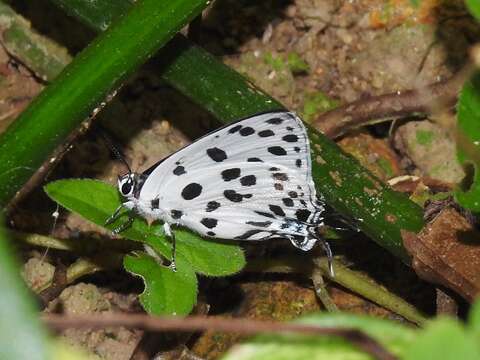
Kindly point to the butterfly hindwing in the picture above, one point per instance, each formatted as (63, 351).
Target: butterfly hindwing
(250, 180)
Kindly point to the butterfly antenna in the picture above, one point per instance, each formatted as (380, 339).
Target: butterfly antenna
(114, 150)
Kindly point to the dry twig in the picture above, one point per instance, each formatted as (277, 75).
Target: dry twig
(443, 94)
(200, 323)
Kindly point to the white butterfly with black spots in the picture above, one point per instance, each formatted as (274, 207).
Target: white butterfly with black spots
(250, 180)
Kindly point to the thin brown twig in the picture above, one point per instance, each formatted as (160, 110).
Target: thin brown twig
(201, 323)
(443, 94)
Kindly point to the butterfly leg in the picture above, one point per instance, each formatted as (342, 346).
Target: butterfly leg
(171, 234)
(123, 226)
(328, 252)
(114, 216)
(313, 234)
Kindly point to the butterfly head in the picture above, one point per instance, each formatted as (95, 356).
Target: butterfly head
(128, 184)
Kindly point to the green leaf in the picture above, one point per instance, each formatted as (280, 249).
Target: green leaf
(474, 320)
(21, 336)
(468, 143)
(96, 201)
(444, 339)
(474, 7)
(166, 291)
(392, 336)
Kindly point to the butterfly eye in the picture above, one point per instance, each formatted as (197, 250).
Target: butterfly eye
(126, 188)
(126, 185)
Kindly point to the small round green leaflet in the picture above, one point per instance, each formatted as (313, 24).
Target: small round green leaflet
(96, 201)
(166, 292)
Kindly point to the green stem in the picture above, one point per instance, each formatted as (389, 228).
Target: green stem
(89, 246)
(87, 266)
(367, 288)
(92, 75)
(352, 280)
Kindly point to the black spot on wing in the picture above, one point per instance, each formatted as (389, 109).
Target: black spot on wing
(176, 214)
(248, 234)
(179, 170)
(233, 196)
(277, 150)
(212, 206)
(288, 202)
(211, 233)
(297, 149)
(277, 210)
(280, 176)
(191, 191)
(274, 121)
(155, 203)
(298, 163)
(235, 129)
(302, 214)
(269, 215)
(209, 222)
(247, 131)
(216, 154)
(278, 186)
(248, 180)
(263, 224)
(266, 133)
(289, 128)
(230, 174)
(273, 169)
(254, 159)
(290, 138)
(292, 194)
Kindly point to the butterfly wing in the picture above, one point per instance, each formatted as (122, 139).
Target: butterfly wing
(250, 180)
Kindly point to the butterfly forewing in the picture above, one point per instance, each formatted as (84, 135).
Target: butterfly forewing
(250, 180)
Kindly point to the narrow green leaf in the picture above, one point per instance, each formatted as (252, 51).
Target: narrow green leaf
(96, 14)
(444, 339)
(166, 292)
(96, 201)
(394, 337)
(474, 320)
(474, 7)
(468, 143)
(21, 336)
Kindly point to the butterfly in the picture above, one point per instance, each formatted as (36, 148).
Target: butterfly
(249, 180)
